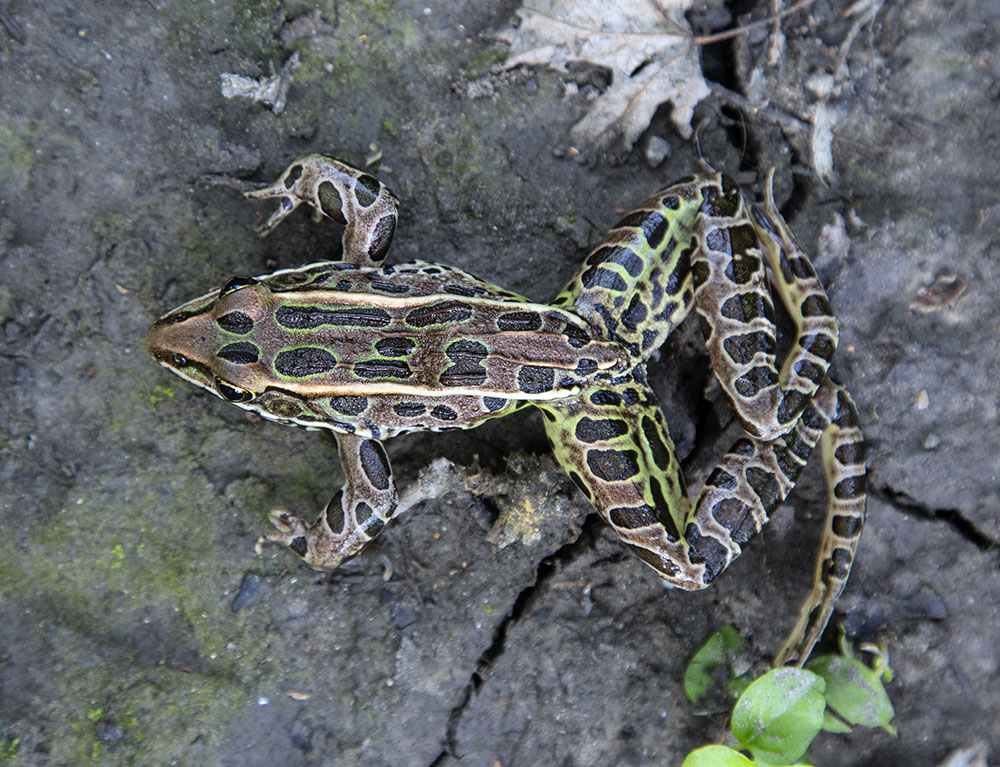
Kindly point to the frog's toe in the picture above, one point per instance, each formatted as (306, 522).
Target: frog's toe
(267, 190)
(287, 523)
(292, 532)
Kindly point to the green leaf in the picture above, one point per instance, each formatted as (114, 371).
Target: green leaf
(737, 685)
(778, 715)
(716, 756)
(832, 723)
(854, 692)
(713, 655)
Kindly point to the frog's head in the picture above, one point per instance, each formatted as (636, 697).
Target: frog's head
(209, 340)
(217, 342)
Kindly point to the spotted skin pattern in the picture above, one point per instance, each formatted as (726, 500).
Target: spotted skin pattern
(370, 351)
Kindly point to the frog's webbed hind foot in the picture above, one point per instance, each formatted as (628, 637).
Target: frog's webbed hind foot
(347, 195)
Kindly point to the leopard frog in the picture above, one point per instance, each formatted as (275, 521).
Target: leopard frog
(369, 351)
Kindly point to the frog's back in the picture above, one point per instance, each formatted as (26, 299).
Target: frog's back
(384, 350)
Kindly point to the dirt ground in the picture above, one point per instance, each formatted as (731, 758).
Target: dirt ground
(137, 626)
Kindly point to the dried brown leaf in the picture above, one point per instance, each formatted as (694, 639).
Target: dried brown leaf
(647, 46)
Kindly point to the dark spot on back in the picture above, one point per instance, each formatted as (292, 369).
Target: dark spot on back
(307, 317)
(382, 368)
(304, 361)
(409, 409)
(235, 322)
(242, 353)
(444, 413)
(439, 314)
(466, 349)
(389, 287)
(395, 346)
(523, 321)
(349, 404)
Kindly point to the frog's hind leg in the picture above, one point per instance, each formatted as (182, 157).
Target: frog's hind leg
(347, 195)
(614, 444)
(844, 462)
(635, 286)
(698, 244)
(737, 315)
(355, 515)
(755, 476)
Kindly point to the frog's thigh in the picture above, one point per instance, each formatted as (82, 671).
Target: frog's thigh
(355, 515)
(615, 446)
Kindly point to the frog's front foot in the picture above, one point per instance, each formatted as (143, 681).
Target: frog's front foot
(347, 195)
(292, 532)
(313, 543)
(287, 198)
(317, 544)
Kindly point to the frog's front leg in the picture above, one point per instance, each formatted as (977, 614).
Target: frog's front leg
(347, 195)
(355, 515)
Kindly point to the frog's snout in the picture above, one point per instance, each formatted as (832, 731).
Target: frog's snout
(177, 340)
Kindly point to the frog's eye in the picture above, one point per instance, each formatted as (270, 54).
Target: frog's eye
(235, 284)
(232, 393)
